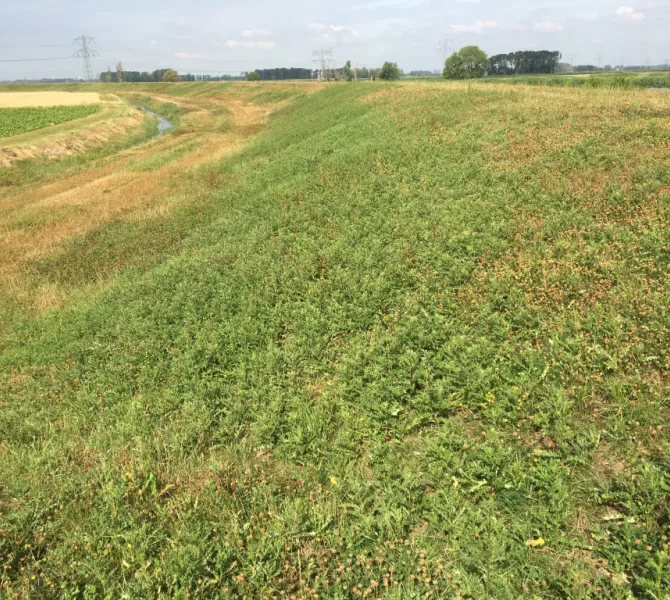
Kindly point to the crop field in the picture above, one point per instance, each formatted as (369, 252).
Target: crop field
(14, 121)
(38, 138)
(341, 341)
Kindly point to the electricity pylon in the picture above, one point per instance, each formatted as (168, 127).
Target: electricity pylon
(443, 47)
(85, 53)
(324, 74)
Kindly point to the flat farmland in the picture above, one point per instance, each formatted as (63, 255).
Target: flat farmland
(47, 99)
(53, 125)
(14, 121)
(343, 341)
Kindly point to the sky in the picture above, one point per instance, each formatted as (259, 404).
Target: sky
(230, 36)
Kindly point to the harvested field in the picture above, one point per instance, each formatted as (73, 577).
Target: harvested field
(30, 99)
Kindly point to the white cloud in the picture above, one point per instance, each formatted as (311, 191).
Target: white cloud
(482, 26)
(259, 45)
(377, 4)
(187, 55)
(402, 4)
(626, 13)
(321, 27)
(255, 34)
(547, 26)
(257, 39)
(332, 33)
(478, 27)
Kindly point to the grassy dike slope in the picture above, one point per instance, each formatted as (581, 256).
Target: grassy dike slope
(415, 345)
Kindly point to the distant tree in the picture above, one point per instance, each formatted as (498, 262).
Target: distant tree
(564, 68)
(107, 76)
(286, 73)
(420, 73)
(347, 71)
(170, 76)
(586, 68)
(524, 62)
(119, 73)
(389, 71)
(608, 68)
(469, 62)
(253, 76)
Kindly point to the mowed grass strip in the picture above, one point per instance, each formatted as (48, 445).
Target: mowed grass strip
(408, 347)
(14, 121)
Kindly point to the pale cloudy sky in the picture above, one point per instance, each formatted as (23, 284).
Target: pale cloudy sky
(235, 35)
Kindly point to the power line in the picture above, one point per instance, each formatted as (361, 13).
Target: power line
(35, 59)
(174, 58)
(33, 47)
(85, 53)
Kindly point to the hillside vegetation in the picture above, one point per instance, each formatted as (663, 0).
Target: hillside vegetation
(397, 341)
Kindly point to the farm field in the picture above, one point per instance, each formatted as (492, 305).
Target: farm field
(340, 341)
(14, 121)
(77, 124)
(16, 99)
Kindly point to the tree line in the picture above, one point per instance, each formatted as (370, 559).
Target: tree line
(347, 73)
(524, 62)
(119, 76)
(280, 74)
(191, 77)
(472, 62)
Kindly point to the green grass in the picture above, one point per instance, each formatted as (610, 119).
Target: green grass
(14, 121)
(404, 344)
(277, 95)
(614, 80)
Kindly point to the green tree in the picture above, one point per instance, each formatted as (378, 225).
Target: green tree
(526, 61)
(389, 71)
(253, 76)
(468, 63)
(107, 77)
(347, 72)
(170, 76)
(119, 73)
